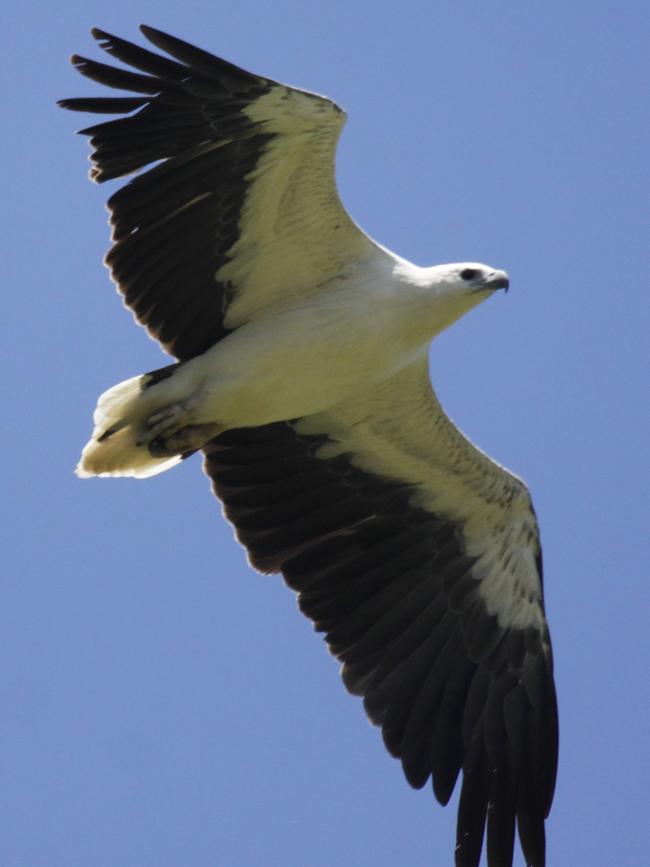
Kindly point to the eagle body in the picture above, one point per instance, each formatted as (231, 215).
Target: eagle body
(301, 376)
(338, 342)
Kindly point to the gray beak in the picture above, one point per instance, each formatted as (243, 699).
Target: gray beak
(497, 280)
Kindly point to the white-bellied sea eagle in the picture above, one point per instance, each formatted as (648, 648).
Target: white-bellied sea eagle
(302, 375)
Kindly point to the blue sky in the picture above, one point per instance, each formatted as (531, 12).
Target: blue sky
(163, 705)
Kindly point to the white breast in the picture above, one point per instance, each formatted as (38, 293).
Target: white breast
(299, 359)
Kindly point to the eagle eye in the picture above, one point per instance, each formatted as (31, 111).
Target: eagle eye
(469, 273)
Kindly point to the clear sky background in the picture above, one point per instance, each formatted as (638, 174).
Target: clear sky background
(161, 704)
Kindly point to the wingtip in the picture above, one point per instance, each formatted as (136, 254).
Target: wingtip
(69, 104)
(150, 32)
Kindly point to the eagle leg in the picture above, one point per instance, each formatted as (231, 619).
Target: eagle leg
(187, 439)
(170, 432)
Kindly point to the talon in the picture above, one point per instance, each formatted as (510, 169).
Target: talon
(186, 440)
(158, 448)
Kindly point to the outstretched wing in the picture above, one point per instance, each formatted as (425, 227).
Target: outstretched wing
(240, 209)
(419, 558)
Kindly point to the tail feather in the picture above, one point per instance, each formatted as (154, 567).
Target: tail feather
(119, 418)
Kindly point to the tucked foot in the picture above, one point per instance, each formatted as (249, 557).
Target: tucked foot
(166, 421)
(183, 441)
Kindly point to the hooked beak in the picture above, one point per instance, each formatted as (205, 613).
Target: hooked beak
(497, 280)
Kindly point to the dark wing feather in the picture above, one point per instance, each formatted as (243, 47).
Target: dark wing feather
(392, 588)
(203, 201)
(173, 225)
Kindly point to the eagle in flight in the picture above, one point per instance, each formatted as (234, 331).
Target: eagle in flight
(301, 374)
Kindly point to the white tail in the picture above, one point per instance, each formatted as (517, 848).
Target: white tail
(119, 419)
